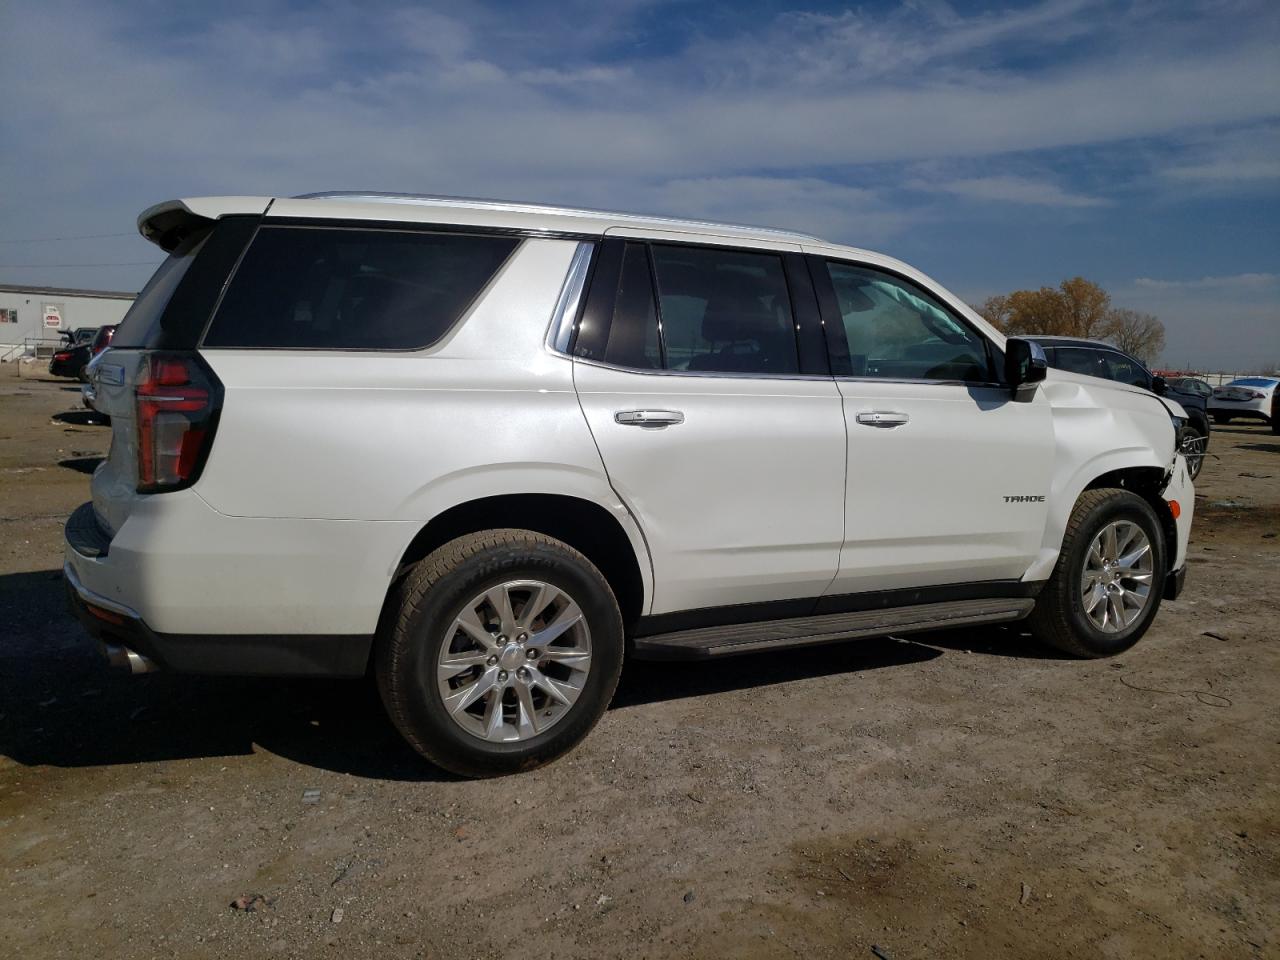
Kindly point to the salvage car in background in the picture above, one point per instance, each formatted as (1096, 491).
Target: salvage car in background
(69, 359)
(84, 344)
(1098, 359)
(1246, 398)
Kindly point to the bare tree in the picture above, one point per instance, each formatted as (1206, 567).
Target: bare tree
(1075, 308)
(1140, 334)
(994, 310)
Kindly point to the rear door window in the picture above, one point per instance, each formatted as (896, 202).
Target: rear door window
(725, 311)
(353, 289)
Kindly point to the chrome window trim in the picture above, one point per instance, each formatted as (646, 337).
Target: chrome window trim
(923, 382)
(711, 374)
(569, 303)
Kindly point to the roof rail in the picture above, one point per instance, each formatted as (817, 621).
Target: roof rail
(508, 206)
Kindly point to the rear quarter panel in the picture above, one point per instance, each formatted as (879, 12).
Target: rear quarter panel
(383, 436)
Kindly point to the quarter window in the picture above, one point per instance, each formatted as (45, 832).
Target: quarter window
(345, 289)
(896, 331)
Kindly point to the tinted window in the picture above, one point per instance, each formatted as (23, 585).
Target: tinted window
(897, 331)
(353, 289)
(633, 334)
(1124, 370)
(141, 324)
(1081, 360)
(724, 310)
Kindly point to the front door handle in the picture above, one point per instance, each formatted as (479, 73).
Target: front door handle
(882, 418)
(648, 418)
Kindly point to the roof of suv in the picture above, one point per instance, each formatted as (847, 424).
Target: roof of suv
(408, 207)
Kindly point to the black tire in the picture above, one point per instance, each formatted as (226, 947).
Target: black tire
(427, 600)
(1059, 619)
(1194, 464)
(1221, 419)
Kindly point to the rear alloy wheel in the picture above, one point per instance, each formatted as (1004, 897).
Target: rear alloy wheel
(514, 661)
(1106, 587)
(506, 650)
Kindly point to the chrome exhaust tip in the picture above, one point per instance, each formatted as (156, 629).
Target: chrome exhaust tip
(122, 658)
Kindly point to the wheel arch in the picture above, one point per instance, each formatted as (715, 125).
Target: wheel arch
(1148, 483)
(1133, 470)
(589, 527)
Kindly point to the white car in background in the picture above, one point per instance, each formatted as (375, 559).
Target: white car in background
(1251, 398)
(488, 451)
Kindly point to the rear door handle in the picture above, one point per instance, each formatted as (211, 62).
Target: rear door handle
(648, 418)
(882, 418)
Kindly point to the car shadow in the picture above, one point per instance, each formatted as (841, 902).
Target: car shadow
(1261, 447)
(61, 706)
(82, 464)
(80, 418)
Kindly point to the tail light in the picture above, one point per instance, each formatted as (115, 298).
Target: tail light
(62, 355)
(178, 399)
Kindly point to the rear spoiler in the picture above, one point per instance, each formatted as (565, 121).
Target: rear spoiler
(168, 224)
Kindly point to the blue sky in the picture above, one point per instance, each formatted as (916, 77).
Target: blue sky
(995, 146)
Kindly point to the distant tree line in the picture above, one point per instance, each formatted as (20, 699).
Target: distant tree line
(1076, 308)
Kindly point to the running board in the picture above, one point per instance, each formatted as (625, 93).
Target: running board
(706, 642)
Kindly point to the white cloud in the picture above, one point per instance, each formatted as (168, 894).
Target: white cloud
(1010, 189)
(1229, 160)
(1236, 282)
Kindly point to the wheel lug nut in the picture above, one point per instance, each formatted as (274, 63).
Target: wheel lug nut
(522, 638)
(502, 676)
(491, 661)
(531, 653)
(522, 673)
(502, 638)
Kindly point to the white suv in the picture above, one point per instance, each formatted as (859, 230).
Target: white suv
(486, 451)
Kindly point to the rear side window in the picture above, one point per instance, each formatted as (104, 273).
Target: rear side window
(726, 311)
(350, 289)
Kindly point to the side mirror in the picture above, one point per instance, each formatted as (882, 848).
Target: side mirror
(1024, 366)
(1159, 385)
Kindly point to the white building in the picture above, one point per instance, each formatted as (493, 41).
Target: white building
(31, 315)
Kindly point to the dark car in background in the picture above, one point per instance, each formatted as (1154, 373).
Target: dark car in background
(82, 346)
(1097, 359)
(69, 359)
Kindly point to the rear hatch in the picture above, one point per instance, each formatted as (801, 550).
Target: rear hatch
(157, 337)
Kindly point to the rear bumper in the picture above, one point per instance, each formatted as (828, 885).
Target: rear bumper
(290, 655)
(196, 591)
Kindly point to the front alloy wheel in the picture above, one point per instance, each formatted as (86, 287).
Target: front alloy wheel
(1106, 586)
(1115, 586)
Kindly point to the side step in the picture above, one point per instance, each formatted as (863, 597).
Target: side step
(706, 642)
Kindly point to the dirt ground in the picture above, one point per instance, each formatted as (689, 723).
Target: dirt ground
(963, 794)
